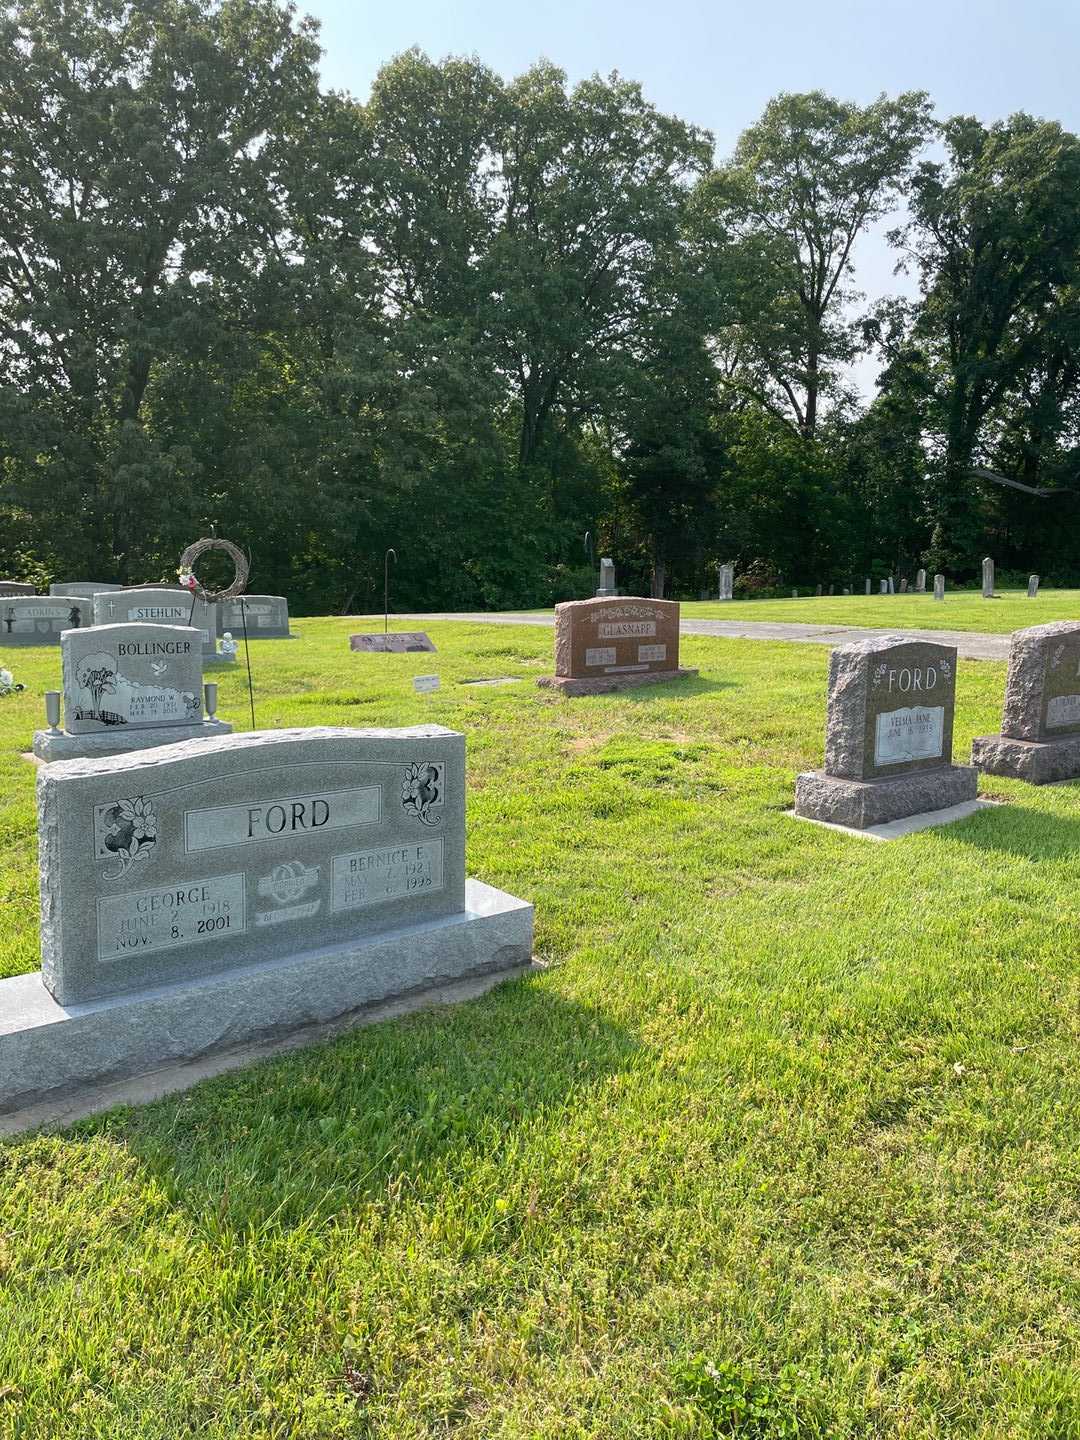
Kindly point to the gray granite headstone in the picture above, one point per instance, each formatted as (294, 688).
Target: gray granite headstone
(39, 620)
(892, 585)
(727, 582)
(131, 675)
(397, 642)
(987, 578)
(1033, 587)
(1040, 722)
(939, 587)
(17, 587)
(83, 589)
(198, 857)
(888, 735)
(866, 587)
(267, 616)
(818, 590)
(883, 586)
(794, 594)
(159, 605)
(920, 581)
(607, 578)
(903, 585)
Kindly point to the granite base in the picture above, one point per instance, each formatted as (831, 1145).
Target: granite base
(1039, 762)
(219, 662)
(48, 1050)
(862, 803)
(59, 745)
(605, 684)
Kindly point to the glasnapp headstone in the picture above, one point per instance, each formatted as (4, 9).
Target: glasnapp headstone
(1040, 722)
(609, 644)
(888, 736)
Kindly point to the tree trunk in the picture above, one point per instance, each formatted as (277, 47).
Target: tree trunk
(659, 576)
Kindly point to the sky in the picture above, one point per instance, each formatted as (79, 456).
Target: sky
(717, 65)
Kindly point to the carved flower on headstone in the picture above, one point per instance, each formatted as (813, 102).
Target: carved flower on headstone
(132, 832)
(420, 791)
(1055, 658)
(945, 666)
(880, 671)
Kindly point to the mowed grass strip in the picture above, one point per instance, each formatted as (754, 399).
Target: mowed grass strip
(960, 610)
(782, 1142)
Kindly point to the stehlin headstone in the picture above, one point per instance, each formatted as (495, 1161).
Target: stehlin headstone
(1040, 722)
(160, 605)
(128, 687)
(605, 645)
(207, 895)
(888, 736)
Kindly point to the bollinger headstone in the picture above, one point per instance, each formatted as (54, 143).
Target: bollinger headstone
(920, 582)
(987, 578)
(267, 616)
(159, 605)
(82, 589)
(399, 642)
(128, 687)
(888, 736)
(939, 587)
(204, 895)
(1033, 587)
(607, 578)
(1040, 721)
(609, 644)
(727, 582)
(39, 620)
(17, 587)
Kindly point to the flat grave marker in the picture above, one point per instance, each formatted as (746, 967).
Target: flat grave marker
(400, 642)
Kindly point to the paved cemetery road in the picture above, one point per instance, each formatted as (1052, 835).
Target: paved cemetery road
(970, 644)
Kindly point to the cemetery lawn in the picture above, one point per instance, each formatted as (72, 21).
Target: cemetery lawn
(960, 610)
(782, 1141)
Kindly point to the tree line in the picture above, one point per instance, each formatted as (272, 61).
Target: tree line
(475, 319)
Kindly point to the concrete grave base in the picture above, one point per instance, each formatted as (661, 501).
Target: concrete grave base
(862, 803)
(1039, 762)
(48, 1050)
(58, 745)
(605, 684)
(220, 662)
(910, 825)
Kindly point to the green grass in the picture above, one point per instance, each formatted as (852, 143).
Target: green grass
(960, 610)
(784, 1140)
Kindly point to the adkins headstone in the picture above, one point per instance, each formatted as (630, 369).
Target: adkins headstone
(888, 736)
(39, 620)
(267, 616)
(206, 895)
(159, 606)
(609, 644)
(128, 687)
(1040, 722)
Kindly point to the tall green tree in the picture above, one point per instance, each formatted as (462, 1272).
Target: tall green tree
(995, 238)
(804, 182)
(139, 223)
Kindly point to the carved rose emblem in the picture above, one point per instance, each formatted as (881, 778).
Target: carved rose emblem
(421, 791)
(131, 833)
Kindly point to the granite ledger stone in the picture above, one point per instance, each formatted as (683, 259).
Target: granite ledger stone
(1040, 722)
(197, 897)
(888, 736)
(608, 644)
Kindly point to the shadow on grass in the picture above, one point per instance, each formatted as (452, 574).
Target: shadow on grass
(398, 1107)
(1011, 829)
